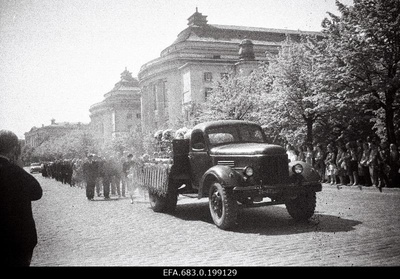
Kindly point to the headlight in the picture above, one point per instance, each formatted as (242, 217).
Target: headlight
(297, 169)
(248, 171)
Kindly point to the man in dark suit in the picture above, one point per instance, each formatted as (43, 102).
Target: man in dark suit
(90, 172)
(18, 236)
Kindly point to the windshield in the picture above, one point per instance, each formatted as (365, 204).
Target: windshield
(235, 134)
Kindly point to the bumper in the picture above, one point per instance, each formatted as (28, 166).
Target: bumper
(279, 189)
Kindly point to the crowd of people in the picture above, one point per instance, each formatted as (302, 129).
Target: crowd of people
(98, 175)
(358, 163)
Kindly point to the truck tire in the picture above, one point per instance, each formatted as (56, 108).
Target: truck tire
(223, 206)
(165, 204)
(302, 207)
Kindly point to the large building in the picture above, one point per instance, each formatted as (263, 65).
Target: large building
(37, 135)
(119, 112)
(201, 54)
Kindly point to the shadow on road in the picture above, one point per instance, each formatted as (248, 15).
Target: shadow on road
(271, 220)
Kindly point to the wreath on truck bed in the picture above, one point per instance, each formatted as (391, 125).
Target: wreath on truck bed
(151, 176)
(152, 172)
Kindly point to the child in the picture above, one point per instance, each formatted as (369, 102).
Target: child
(331, 170)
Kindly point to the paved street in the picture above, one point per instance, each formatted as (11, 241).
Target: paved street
(350, 228)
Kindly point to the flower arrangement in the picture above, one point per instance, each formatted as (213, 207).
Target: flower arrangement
(151, 172)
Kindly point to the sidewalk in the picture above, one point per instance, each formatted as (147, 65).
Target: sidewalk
(363, 188)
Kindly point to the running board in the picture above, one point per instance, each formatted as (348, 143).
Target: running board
(190, 195)
(260, 204)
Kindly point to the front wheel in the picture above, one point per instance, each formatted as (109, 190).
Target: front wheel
(223, 206)
(302, 207)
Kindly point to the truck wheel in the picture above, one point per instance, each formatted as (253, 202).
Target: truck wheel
(223, 206)
(302, 207)
(163, 203)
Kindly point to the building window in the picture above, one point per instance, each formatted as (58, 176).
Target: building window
(155, 97)
(187, 97)
(207, 92)
(224, 75)
(208, 77)
(165, 93)
(216, 56)
(138, 115)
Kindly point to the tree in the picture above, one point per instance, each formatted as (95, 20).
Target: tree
(74, 144)
(132, 142)
(295, 101)
(365, 42)
(235, 97)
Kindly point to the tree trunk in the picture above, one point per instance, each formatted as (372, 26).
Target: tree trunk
(389, 122)
(309, 123)
(389, 116)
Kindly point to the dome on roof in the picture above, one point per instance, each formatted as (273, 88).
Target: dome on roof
(127, 80)
(246, 51)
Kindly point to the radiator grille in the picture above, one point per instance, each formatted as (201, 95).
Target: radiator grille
(274, 170)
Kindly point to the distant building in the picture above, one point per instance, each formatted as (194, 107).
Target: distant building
(119, 112)
(202, 53)
(37, 135)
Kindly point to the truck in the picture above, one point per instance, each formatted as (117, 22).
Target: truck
(231, 163)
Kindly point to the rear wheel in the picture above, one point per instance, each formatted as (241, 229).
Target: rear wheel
(223, 206)
(161, 203)
(302, 207)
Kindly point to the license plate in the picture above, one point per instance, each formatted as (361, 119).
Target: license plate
(268, 191)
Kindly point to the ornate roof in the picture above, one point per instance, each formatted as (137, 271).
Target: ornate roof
(126, 93)
(126, 82)
(199, 30)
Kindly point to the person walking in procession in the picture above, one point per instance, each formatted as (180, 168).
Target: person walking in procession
(125, 179)
(90, 172)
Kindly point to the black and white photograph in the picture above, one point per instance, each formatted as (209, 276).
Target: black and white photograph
(201, 138)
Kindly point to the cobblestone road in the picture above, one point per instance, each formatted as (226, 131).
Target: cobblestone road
(350, 228)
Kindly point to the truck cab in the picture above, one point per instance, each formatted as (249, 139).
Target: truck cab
(231, 163)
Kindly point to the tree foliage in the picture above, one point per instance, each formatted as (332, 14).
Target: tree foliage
(340, 86)
(365, 51)
(74, 144)
(236, 97)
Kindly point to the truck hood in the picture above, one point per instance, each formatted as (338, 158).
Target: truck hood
(248, 149)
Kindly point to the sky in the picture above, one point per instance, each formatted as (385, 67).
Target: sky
(59, 57)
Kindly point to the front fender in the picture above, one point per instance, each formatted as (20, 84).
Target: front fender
(309, 173)
(225, 175)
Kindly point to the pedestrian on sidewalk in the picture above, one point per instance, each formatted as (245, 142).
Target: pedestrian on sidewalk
(394, 165)
(330, 162)
(373, 164)
(291, 152)
(319, 161)
(18, 236)
(353, 163)
(364, 170)
(341, 164)
(309, 155)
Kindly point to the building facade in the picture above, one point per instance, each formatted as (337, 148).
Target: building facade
(37, 135)
(202, 54)
(119, 112)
